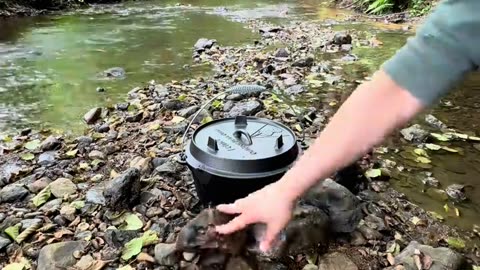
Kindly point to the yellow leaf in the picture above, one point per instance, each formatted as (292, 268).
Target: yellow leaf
(423, 160)
(420, 152)
(177, 119)
(432, 146)
(71, 153)
(14, 266)
(333, 103)
(457, 212)
(298, 127)
(373, 173)
(447, 209)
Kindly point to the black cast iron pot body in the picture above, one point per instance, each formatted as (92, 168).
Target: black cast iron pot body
(232, 157)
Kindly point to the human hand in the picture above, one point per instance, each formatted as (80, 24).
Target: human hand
(271, 206)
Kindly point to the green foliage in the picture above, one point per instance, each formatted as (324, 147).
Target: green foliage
(379, 7)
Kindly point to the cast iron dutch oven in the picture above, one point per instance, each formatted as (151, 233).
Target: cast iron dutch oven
(232, 157)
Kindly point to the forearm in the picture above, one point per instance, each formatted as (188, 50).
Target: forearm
(365, 118)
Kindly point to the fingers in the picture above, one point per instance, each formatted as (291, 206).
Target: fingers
(235, 224)
(229, 208)
(272, 231)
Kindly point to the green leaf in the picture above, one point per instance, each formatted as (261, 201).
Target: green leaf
(133, 223)
(83, 165)
(42, 197)
(436, 215)
(373, 173)
(32, 145)
(433, 147)
(217, 104)
(440, 137)
(132, 248)
(72, 153)
(182, 97)
(27, 156)
(149, 237)
(13, 231)
(450, 149)
(447, 209)
(14, 266)
(96, 162)
(423, 160)
(456, 242)
(206, 120)
(420, 152)
(77, 204)
(476, 267)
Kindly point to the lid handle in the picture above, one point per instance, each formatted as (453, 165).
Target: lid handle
(240, 121)
(279, 141)
(212, 144)
(238, 134)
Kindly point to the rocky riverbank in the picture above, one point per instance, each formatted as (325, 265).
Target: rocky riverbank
(117, 197)
(9, 8)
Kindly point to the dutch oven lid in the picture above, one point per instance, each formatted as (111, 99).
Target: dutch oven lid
(243, 145)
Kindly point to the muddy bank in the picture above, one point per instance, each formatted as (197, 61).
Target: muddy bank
(9, 8)
(117, 197)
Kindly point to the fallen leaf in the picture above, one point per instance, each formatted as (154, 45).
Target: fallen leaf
(149, 237)
(13, 231)
(456, 242)
(132, 248)
(433, 147)
(298, 127)
(83, 165)
(436, 215)
(476, 267)
(390, 259)
(97, 265)
(42, 197)
(32, 145)
(133, 222)
(416, 221)
(312, 258)
(206, 120)
(447, 209)
(77, 204)
(14, 266)
(373, 173)
(420, 152)
(440, 137)
(177, 119)
(27, 156)
(457, 212)
(217, 104)
(71, 153)
(446, 148)
(60, 233)
(145, 257)
(423, 160)
(182, 97)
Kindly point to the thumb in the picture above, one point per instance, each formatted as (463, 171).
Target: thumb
(270, 235)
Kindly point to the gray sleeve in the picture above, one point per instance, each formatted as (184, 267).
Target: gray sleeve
(438, 57)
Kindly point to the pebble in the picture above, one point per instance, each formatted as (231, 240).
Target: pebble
(59, 255)
(250, 107)
(13, 193)
(62, 187)
(92, 116)
(50, 143)
(95, 154)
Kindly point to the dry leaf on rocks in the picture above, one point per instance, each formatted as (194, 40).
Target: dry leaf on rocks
(390, 259)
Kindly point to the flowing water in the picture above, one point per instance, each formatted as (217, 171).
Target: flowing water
(49, 67)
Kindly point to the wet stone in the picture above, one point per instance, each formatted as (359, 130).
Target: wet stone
(443, 258)
(103, 128)
(4, 242)
(431, 181)
(250, 107)
(369, 233)
(336, 261)
(202, 44)
(414, 133)
(50, 143)
(47, 159)
(341, 38)
(51, 206)
(295, 89)
(134, 117)
(456, 192)
(227, 106)
(95, 196)
(92, 116)
(59, 255)
(234, 97)
(165, 254)
(123, 191)
(122, 106)
(13, 193)
(185, 113)
(62, 187)
(434, 122)
(282, 53)
(305, 62)
(114, 72)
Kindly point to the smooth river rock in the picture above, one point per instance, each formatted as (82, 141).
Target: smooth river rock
(59, 256)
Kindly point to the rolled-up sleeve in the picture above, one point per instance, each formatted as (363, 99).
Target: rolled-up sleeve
(440, 54)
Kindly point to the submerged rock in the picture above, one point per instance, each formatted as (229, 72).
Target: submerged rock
(456, 192)
(442, 258)
(341, 38)
(123, 191)
(414, 133)
(114, 73)
(59, 256)
(202, 44)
